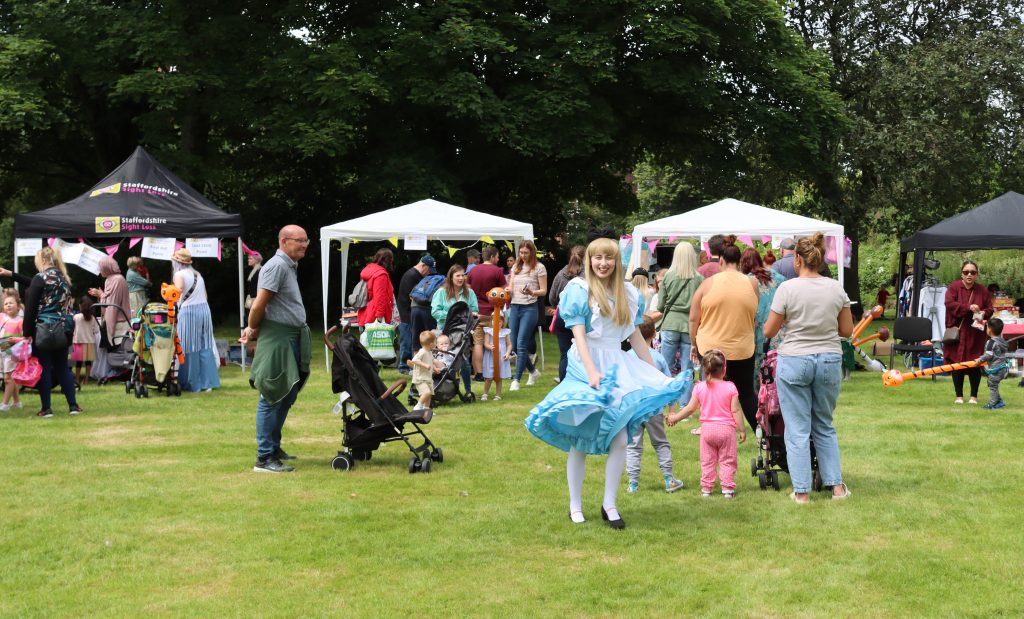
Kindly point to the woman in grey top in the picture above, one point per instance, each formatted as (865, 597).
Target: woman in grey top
(816, 312)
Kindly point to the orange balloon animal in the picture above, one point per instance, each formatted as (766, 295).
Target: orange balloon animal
(895, 378)
(171, 294)
(498, 298)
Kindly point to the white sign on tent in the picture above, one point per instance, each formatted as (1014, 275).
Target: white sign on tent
(415, 242)
(90, 258)
(203, 248)
(69, 252)
(157, 249)
(27, 247)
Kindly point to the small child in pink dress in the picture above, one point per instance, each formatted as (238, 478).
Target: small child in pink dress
(719, 419)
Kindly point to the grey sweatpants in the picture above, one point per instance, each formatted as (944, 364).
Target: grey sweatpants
(993, 381)
(655, 427)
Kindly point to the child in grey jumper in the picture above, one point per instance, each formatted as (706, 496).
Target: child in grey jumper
(995, 356)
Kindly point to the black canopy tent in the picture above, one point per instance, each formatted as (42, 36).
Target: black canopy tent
(141, 198)
(997, 224)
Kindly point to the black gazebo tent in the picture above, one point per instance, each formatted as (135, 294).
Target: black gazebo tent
(141, 198)
(997, 224)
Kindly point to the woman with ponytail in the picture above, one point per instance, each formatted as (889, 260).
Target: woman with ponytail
(809, 371)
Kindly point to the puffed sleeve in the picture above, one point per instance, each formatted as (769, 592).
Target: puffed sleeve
(573, 306)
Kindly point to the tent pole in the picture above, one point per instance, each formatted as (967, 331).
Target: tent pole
(241, 299)
(325, 270)
(15, 257)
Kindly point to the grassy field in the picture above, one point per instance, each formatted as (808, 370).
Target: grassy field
(151, 508)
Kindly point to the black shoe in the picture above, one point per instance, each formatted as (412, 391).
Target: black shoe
(615, 524)
(271, 465)
(280, 454)
(479, 378)
(75, 410)
(45, 413)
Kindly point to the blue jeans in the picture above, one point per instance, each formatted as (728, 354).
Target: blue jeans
(404, 345)
(270, 417)
(522, 321)
(673, 342)
(808, 391)
(51, 360)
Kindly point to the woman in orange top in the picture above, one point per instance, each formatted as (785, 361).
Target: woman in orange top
(722, 317)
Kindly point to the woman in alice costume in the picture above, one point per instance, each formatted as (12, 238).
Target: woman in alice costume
(607, 394)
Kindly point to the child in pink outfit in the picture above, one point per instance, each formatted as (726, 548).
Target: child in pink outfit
(719, 419)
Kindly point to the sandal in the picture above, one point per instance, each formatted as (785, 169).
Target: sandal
(972, 401)
(841, 497)
(958, 401)
(695, 431)
(792, 495)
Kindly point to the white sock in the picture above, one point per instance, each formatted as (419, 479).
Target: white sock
(575, 469)
(613, 474)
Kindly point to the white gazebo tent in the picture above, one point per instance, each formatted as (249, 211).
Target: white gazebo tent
(734, 217)
(430, 218)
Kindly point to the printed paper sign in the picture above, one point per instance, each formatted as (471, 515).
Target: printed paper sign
(203, 248)
(415, 242)
(27, 247)
(69, 252)
(157, 249)
(89, 259)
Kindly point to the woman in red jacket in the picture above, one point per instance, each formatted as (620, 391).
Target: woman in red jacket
(380, 293)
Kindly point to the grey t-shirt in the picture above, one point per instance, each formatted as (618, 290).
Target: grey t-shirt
(280, 276)
(811, 307)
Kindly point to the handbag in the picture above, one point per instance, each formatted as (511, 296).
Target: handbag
(951, 336)
(378, 338)
(51, 335)
(27, 372)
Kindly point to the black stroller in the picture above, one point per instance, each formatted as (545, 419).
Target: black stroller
(120, 356)
(373, 414)
(458, 326)
(771, 433)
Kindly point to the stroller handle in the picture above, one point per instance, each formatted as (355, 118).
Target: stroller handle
(396, 387)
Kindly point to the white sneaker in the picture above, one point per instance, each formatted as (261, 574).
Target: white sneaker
(514, 386)
(534, 376)
(18, 404)
(5, 407)
(483, 397)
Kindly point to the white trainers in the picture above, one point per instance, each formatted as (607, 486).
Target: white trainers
(534, 377)
(483, 397)
(4, 407)
(514, 386)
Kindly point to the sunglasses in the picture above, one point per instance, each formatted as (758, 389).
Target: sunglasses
(969, 272)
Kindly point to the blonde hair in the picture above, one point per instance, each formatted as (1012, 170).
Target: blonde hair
(134, 261)
(46, 258)
(642, 283)
(599, 291)
(811, 250)
(684, 261)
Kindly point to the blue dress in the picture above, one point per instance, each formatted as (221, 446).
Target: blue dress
(575, 415)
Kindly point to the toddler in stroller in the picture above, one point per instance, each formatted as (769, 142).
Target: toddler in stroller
(372, 413)
(154, 350)
(458, 331)
(771, 442)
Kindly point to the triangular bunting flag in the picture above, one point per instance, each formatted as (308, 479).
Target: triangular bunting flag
(487, 239)
(133, 242)
(452, 251)
(112, 249)
(394, 241)
(509, 245)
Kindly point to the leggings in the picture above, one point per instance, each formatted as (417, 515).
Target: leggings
(973, 374)
(741, 373)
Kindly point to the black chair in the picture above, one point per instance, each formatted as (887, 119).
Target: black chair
(908, 333)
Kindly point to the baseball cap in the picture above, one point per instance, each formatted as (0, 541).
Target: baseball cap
(430, 262)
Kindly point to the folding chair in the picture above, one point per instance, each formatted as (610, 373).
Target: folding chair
(908, 332)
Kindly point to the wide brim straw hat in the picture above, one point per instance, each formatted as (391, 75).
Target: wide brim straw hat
(182, 256)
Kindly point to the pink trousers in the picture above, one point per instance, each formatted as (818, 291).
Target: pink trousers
(717, 447)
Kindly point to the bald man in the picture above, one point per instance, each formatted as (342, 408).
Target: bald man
(280, 367)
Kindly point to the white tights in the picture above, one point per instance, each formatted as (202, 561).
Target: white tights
(575, 469)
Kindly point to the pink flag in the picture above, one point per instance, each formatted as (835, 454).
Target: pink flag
(112, 249)
(706, 248)
(766, 239)
(133, 242)
(50, 241)
(178, 245)
(672, 240)
(219, 248)
(746, 240)
(830, 251)
(248, 250)
(652, 245)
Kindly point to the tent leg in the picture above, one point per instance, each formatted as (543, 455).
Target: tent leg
(540, 345)
(241, 299)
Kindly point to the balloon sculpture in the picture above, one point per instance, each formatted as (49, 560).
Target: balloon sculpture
(498, 298)
(882, 335)
(171, 294)
(895, 378)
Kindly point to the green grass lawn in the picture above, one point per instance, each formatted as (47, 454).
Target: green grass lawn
(151, 508)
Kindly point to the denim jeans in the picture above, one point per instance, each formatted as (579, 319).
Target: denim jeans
(522, 322)
(673, 342)
(51, 360)
(404, 345)
(270, 417)
(808, 390)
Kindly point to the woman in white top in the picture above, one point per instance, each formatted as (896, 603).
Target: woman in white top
(816, 312)
(195, 328)
(527, 281)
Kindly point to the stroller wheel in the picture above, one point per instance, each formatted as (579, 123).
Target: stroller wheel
(774, 480)
(128, 386)
(437, 455)
(341, 462)
(138, 391)
(362, 455)
(762, 480)
(425, 465)
(468, 398)
(753, 467)
(816, 484)
(414, 465)
(145, 391)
